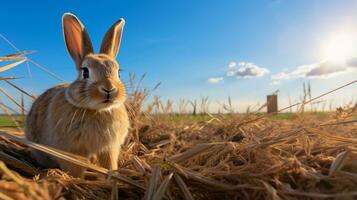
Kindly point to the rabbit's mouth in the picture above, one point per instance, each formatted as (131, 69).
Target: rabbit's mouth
(108, 101)
(108, 104)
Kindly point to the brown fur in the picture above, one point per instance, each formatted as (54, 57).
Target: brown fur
(77, 117)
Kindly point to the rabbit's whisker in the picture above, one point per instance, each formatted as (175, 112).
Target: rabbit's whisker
(84, 113)
(74, 114)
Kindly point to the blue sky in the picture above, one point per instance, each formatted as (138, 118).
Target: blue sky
(184, 44)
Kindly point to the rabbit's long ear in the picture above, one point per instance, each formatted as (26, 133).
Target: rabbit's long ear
(111, 42)
(76, 37)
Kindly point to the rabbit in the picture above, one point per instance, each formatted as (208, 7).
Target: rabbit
(86, 117)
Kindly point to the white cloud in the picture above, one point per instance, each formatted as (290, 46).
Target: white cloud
(241, 70)
(247, 70)
(322, 70)
(325, 71)
(232, 64)
(215, 80)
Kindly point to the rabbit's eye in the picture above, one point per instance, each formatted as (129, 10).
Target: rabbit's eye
(85, 72)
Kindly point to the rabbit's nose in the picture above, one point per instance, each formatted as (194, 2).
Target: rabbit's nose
(108, 91)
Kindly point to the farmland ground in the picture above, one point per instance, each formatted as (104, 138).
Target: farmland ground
(286, 156)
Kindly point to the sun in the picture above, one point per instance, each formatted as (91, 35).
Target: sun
(339, 46)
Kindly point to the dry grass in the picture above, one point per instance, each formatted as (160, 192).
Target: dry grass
(267, 159)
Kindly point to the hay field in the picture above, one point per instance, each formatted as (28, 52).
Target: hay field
(305, 156)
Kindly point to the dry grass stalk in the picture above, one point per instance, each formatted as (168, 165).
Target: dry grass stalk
(10, 97)
(213, 184)
(16, 56)
(5, 197)
(19, 164)
(194, 107)
(183, 187)
(181, 157)
(139, 166)
(271, 191)
(7, 78)
(344, 195)
(153, 183)
(29, 190)
(21, 90)
(8, 108)
(338, 163)
(53, 75)
(12, 65)
(339, 123)
(159, 194)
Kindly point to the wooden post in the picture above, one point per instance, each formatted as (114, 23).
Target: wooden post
(272, 103)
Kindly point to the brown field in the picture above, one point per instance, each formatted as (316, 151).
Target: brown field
(302, 156)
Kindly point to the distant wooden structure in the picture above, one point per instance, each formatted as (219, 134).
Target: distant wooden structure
(272, 103)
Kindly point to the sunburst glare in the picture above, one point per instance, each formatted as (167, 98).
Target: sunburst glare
(339, 46)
